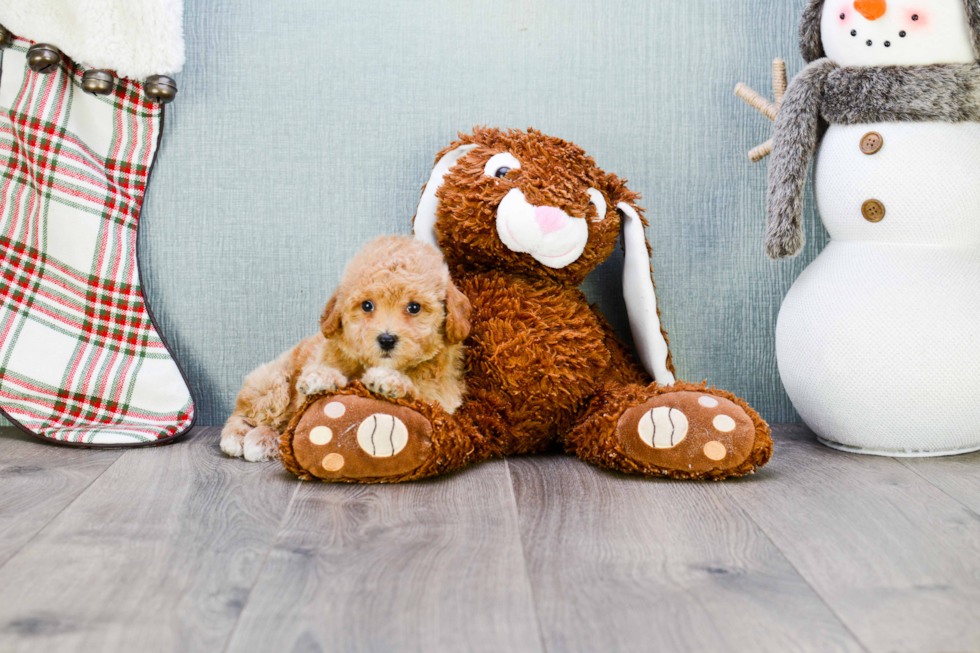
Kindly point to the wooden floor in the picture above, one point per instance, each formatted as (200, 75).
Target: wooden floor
(181, 549)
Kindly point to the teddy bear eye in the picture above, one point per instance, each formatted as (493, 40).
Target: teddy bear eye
(414, 308)
(367, 306)
(500, 164)
(596, 198)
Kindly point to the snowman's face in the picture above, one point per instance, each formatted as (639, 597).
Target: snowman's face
(896, 32)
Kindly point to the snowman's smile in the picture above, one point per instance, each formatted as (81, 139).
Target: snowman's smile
(887, 43)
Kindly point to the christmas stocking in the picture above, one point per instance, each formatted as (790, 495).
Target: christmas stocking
(81, 361)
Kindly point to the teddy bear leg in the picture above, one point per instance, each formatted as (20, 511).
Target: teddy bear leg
(686, 431)
(355, 437)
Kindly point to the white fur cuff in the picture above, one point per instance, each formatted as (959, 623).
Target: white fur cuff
(135, 38)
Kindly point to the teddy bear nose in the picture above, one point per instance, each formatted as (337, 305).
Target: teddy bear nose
(387, 341)
(550, 219)
(871, 9)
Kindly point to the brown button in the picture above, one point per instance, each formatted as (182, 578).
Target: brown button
(871, 143)
(873, 211)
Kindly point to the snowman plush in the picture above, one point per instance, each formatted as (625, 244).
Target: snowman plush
(878, 341)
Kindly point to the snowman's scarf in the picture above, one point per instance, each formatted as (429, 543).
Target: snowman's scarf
(826, 93)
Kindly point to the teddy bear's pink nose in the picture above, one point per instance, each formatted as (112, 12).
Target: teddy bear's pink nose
(550, 219)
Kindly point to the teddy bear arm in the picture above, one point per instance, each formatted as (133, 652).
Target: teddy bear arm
(623, 366)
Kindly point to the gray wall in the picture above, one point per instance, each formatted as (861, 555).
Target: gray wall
(304, 128)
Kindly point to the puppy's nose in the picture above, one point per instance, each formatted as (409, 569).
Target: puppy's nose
(387, 341)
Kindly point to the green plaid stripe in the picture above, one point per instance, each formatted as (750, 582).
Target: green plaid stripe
(80, 359)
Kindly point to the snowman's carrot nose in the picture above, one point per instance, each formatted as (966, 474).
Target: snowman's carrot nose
(871, 9)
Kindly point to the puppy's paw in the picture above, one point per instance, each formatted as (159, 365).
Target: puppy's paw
(231, 444)
(388, 383)
(233, 435)
(321, 379)
(261, 444)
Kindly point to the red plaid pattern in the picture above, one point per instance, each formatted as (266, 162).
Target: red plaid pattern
(80, 359)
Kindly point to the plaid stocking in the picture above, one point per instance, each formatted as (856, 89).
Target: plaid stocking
(81, 361)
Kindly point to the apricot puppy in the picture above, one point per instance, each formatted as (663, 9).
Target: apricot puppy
(396, 323)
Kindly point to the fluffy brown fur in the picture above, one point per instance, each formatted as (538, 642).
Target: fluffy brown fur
(544, 368)
(376, 299)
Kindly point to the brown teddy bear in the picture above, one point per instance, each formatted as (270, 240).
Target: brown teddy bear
(522, 218)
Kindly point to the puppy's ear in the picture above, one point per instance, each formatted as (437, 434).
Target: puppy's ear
(330, 322)
(457, 315)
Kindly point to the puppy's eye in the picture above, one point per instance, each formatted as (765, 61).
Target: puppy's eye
(414, 308)
(596, 198)
(500, 164)
(367, 306)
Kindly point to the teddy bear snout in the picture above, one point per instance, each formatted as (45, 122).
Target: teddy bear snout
(550, 219)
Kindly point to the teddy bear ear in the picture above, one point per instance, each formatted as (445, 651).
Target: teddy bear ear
(425, 215)
(641, 297)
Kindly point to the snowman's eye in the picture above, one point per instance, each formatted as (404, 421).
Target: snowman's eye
(596, 199)
(500, 164)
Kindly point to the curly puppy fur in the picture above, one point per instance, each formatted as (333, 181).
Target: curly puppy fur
(397, 288)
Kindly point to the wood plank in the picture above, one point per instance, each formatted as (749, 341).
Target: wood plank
(428, 566)
(623, 563)
(957, 476)
(37, 481)
(896, 559)
(158, 553)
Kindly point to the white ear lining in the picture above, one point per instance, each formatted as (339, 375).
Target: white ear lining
(600, 204)
(641, 299)
(425, 215)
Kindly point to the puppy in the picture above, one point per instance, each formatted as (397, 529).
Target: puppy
(396, 323)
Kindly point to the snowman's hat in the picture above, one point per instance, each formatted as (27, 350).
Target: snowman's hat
(812, 47)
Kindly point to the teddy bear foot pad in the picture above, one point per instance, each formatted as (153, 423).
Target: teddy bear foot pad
(691, 432)
(358, 439)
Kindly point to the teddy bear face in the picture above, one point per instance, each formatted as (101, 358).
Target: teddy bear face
(529, 204)
(896, 32)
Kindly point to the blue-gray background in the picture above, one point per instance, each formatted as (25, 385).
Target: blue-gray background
(305, 128)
